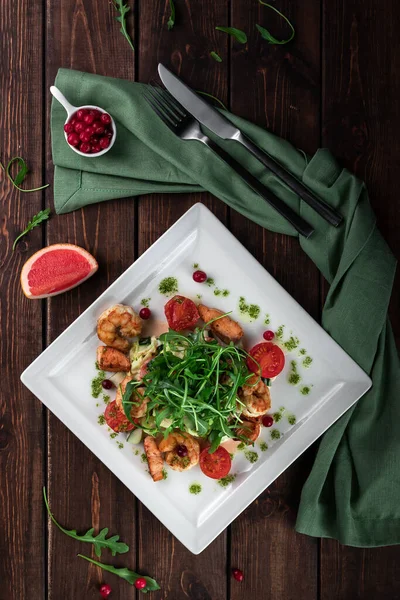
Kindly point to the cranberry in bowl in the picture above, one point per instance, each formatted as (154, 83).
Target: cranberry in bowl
(89, 130)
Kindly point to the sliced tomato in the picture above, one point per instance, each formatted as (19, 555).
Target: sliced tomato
(269, 357)
(181, 313)
(215, 465)
(116, 418)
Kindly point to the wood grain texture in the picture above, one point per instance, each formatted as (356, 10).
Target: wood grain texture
(361, 125)
(21, 415)
(186, 50)
(84, 35)
(278, 88)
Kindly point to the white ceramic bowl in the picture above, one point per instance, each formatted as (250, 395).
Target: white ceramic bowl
(70, 109)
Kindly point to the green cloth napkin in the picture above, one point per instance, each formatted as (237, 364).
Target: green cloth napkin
(353, 491)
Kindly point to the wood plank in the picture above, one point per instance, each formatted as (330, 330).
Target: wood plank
(22, 572)
(186, 50)
(278, 88)
(83, 492)
(361, 125)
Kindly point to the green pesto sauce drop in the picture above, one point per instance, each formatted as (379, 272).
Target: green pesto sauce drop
(251, 456)
(294, 377)
(263, 446)
(231, 455)
(241, 446)
(195, 265)
(292, 343)
(217, 292)
(302, 351)
(145, 302)
(164, 474)
(113, 435)
(305, 390)
(279, 332)
(225, 293)
(136, 452)
(291, 419)
(210, 281)
(282, 409)
(96, 384)
(307, 361)
(106, 399)
(267, 320)
(198, 296)
(275, 434)
(195, 488)
(168, 286)
(101, 419)
(120, 445)
(225, 481)
(251, 310)
(277, 417)
(143, 458)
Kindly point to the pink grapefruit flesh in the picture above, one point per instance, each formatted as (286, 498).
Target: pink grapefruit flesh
(56, 269)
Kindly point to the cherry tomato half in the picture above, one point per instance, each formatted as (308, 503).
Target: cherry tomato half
(270, 358)
(116, 419)
(215, 465)
(181, 313)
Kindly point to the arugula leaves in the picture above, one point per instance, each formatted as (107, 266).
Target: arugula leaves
(20, 176)
(239, 35)
(215, 56)
(266, 35)
(171, 20)
(36, 220)
(123, 9)
(127, 574)
(99, 541)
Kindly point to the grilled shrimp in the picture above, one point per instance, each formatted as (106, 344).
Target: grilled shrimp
(250, 430)
(116, 324)
(137, 410)
(170, 447)
(111, 359)
(154, 458)
(256, 397)
(225, 328)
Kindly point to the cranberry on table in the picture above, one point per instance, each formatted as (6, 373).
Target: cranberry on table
(267, 421)
(105, 590)
(73, 139)
(140, 583)
(145, 313)
(238, 574)
(105, 119)
(107, 384)
(85, 148)
(199, 276)
(268, 335)
(182, 450)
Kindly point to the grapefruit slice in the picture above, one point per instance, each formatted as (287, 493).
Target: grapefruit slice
(56, 269)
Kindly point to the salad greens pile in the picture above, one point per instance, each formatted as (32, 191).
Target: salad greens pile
(193, 385)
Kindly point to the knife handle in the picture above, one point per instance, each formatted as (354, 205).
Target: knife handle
(301, 226)
(322, 208)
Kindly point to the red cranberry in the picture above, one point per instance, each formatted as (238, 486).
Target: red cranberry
(109, 134)
(85, 137)
(85, 148)
(81, 114)
(79, 127)
(145, 313)
(88, 119)
(96, 148)
(140, 583)
(68, 128)
(90, 129)
(238, 574)
(73, 139)
(96, 113)
(182, 451)
(104, 142)
(73, 121)
(107, 384)
(199, 276)
(98, 127)
(267, 421)
(105, 590)
(105, 119)
(268, 335)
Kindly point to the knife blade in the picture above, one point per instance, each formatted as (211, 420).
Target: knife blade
(210, 117)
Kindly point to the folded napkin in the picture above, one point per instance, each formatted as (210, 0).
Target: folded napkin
(353, 491)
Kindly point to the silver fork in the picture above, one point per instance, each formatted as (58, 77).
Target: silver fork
(185, 126)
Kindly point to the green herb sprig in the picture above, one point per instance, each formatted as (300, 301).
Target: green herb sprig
(36, 220)
(266, 35)
(20, 176)
(99, 541)
(127, 574)
(217, 100)
(123, 9)
(238, 34)
(171, 20)
(216, 56)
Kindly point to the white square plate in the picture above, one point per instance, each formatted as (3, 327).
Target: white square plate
(60, 377)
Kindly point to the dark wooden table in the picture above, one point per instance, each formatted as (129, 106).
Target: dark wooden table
(336, 85)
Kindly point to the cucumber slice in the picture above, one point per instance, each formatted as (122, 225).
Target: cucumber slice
(135, 436)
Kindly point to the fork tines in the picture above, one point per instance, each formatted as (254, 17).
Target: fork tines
(164, 105)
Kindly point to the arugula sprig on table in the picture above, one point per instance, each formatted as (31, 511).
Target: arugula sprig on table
(127, 574)
(171, 20)
(266, 35)
(21, 174)
(238, 34)
(36, 220)
(194, 383)
(123, 10)
(99, 541)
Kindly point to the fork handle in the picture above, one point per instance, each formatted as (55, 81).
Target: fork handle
(301, 226)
